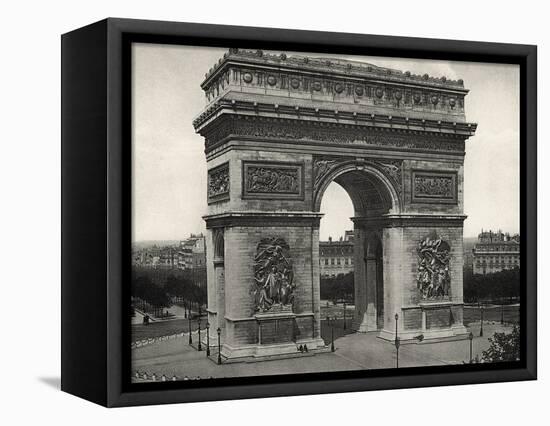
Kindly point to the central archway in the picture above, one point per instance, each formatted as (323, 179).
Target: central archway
(278, 130)
(373, 196)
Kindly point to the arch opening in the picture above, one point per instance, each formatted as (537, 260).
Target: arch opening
(371, 196)
(336, 252)
(371, 192)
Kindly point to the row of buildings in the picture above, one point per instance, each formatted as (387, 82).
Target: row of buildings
(492, 252)
(188, 255)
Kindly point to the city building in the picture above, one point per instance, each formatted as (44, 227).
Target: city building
(147, 257)
(495, 251)
(192, 253)
(168, 258)
(336, 257)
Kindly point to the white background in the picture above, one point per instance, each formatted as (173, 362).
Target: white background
(30, 179)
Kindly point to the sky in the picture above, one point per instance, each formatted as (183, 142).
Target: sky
(169, 166)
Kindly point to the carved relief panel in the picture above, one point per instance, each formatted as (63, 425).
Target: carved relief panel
(434, 187)
(273, 276)
(273, 180)
(218, 183)
(433, 278)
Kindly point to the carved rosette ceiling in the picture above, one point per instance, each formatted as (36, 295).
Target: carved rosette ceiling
(433, 277)
(273, 276)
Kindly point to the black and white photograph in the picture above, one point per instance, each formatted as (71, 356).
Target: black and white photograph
(298, 212)
(274, 213)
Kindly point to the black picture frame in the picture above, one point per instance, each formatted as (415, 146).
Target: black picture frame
(96, 178)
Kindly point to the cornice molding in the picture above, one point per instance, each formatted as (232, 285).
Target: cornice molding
(327, 117)
(332, 66)
(412, 220)
(263, 219)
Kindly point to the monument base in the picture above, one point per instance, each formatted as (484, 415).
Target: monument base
(257, 353)
(276, 326)
(365, 323)
(428, 336)
(435, 323)
(276, 339)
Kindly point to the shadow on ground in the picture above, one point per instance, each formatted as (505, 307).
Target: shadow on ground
(54, 382)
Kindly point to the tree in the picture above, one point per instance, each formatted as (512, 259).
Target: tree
(159, 298)
(493, 286)
(339, 287)
(141, 288)
(175, 286)
(504, 347)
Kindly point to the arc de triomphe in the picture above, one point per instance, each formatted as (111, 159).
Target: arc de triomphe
(278, 130)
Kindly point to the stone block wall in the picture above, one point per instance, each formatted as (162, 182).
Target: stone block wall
(401, 295)
(411, 237)
(435, 205)
(237, 202)
(241, 243)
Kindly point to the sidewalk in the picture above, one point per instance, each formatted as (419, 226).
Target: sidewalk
(353, 352)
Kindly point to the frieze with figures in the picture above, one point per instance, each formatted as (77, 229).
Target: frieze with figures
(434, 187)
(218, 183)
(273, 180)
(294, 130)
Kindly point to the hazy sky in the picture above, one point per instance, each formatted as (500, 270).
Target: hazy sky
(169, 166)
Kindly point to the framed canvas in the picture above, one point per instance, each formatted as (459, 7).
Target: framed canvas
(253, 212)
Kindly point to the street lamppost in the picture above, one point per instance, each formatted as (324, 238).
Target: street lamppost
(189, 324)
(199, 347)
(481, 328)
(501, 313)
(397, 342)
(344, 315)
(471, 337)
(219, 346)
(207, 339)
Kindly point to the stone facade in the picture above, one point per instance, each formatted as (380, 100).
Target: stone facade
(496, 251)
(278, 130)
(336, 256)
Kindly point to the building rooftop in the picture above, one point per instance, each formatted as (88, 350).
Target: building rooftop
(346, 67)
(498, 237)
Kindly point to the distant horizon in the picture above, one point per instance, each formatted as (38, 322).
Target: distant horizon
(177, 240)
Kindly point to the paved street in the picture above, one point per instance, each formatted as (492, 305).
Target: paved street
(163, 328)
(179, 325)
(353, 351)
